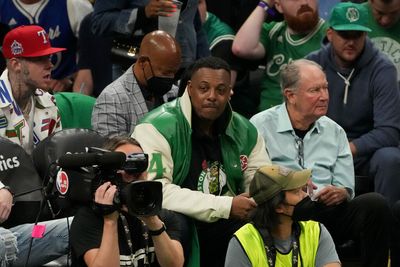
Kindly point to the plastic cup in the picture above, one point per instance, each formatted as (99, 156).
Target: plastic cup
(169, 24)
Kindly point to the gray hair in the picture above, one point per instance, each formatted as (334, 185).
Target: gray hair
(290, 74)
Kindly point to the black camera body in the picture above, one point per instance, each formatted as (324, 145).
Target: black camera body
(81, 174)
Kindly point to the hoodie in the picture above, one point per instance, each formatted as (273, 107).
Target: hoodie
(368, 108)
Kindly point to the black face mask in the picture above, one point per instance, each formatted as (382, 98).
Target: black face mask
(159, 86)
(304, 210)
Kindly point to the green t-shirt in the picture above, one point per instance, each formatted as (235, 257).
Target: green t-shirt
(386, 40)
(281, 48)
(75, 109)
(217, 30)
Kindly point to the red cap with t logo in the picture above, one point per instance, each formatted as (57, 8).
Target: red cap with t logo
(28, 41)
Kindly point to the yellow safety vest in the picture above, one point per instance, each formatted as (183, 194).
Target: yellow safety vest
(253, 245)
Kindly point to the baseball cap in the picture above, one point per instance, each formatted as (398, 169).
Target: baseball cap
(348, 16)
(28, 41)
(269, 180)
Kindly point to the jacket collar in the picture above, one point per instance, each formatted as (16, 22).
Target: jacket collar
(7, 98)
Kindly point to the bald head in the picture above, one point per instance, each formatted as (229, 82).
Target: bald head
(161, 47)
(159, 55)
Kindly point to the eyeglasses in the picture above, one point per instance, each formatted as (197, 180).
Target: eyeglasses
(300, 151)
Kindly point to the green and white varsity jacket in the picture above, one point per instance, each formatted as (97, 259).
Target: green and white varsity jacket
(165, 134)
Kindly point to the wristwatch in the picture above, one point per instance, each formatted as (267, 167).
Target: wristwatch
(159, 231)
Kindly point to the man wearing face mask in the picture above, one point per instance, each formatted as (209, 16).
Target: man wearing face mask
(305, 138)
(145, 85)
(275, 237)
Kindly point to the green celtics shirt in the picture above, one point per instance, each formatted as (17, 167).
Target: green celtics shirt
(217, 30)
(386, 40)
(282, 48)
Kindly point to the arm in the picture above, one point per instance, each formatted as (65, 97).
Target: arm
(326, 253)
(108, 114)
(243, 205)
(247, 40)
(257, 158)
(343, 172)
(83, 82)
(202, 42)
(386, 118)
(113, 16)
(77, 10)
(6, 200)
(235, 255)
(343, 183)
(169, 252)
(333, 264)
(108, 252)
(125, 16)
(61, 85)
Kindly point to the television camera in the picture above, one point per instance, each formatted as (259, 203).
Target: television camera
(82, 173)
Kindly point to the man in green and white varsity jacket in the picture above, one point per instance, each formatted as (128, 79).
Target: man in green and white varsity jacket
(205, 155)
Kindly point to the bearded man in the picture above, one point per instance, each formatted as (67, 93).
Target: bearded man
(300, 33)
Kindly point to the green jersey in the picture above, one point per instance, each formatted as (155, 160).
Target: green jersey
(217, 30)
(282, 48)
(386, 40)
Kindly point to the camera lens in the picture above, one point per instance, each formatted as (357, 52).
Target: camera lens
(143, 197)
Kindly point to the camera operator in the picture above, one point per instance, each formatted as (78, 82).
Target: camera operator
(115, 238)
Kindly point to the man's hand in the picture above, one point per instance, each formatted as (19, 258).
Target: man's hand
(242, 205)
(6, 200)
(62, 85)
(332, 195)
(353, 148)
(156, 8)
